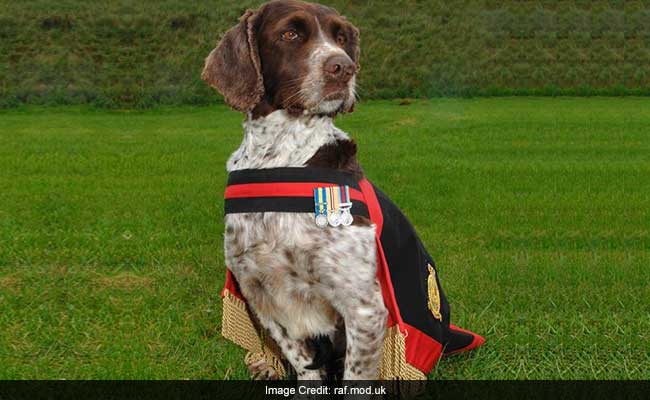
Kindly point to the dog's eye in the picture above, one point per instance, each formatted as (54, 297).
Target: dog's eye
(341, 39)
(290, 35)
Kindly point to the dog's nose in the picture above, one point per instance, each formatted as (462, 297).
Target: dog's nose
(339, 67)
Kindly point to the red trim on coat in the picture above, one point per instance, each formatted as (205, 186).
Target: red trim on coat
(292, 189)
(383, 274)
(376, 215)
(422, 351)
(476, 342)
(231, 286)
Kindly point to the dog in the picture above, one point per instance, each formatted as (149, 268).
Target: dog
(291, 67)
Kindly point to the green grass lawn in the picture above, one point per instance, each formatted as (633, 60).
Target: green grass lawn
(536, 210)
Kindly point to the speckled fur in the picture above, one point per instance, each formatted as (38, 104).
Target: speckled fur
(300, 280)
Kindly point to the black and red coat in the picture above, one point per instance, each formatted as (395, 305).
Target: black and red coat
(417, 307)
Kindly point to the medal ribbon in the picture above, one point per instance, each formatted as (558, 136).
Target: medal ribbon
(332, 199)
(320, 200)
(345, 194)
(336, 198)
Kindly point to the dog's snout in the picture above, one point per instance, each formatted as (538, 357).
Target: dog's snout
(339, 67)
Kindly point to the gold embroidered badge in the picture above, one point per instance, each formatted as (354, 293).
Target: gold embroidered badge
(434, 294)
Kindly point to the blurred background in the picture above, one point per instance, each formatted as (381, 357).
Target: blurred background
(125, 54)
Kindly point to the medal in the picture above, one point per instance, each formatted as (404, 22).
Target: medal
(334, 218)
(346, 205)
(332, 206)
(320, 205)
(334, 201)
(321, 221)
(346, 218)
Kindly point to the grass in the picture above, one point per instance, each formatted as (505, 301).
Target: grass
(536, 210)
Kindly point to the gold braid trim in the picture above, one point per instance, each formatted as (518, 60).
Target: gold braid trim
(238, 327)
(393, 362)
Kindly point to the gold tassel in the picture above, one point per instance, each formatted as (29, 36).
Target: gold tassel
(237, 326)
(393, 362)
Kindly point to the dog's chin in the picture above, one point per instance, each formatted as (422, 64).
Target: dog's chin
(325, 101)
(332, 103)
(329, 107)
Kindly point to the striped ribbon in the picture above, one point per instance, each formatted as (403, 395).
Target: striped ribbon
(331, 199)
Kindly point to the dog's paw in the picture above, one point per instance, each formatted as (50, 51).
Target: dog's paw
(259, 369)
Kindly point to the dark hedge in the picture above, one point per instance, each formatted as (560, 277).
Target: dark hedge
(141, 54)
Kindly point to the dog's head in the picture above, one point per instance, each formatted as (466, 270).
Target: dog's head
(291, 55)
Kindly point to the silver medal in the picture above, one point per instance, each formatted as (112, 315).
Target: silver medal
(346, 217)
(334, 218)
(321, 221)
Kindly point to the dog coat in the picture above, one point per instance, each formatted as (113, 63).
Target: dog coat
(419, 330)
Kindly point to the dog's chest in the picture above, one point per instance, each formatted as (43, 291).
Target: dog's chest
(278, 140)
(283, 261)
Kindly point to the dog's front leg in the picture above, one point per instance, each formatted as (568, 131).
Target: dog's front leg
(365, 325)
(353, 290)
(360, 303)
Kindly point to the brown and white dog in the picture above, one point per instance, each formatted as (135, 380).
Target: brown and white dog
(291, 67)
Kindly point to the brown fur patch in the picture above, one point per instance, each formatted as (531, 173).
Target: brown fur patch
(341, 155)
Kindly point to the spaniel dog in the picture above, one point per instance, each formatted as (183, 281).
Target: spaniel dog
(291, 67)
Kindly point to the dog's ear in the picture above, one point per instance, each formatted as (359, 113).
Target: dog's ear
(233, 67)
